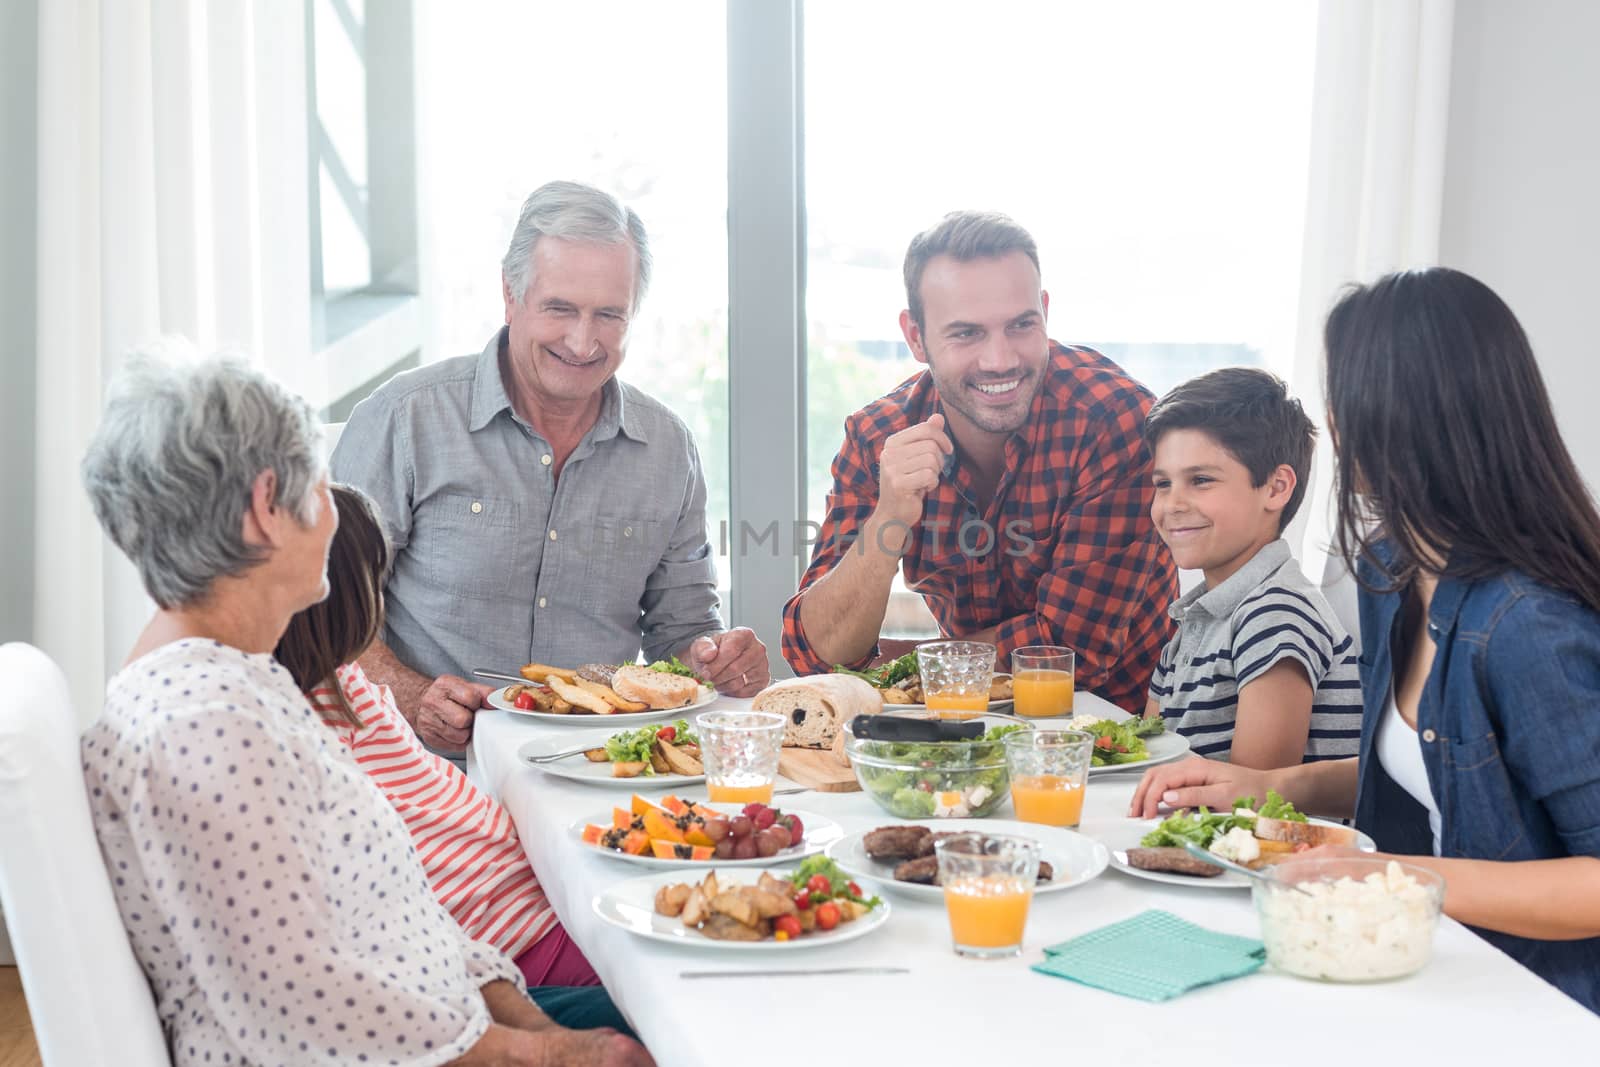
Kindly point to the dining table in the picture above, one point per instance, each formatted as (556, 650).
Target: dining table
(919, 1002)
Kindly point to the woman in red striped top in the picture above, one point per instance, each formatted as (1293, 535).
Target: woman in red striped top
(466, 842)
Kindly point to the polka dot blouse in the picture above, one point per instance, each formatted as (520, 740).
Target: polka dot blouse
(269, 891)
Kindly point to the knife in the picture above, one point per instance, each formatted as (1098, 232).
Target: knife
(794, 973)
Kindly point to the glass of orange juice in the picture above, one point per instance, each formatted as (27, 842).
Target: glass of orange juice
(740, 751)
(988, 885)
(1049, 771)
(1041, 681)
(956, 677)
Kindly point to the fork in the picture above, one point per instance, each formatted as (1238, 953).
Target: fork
(554, 756)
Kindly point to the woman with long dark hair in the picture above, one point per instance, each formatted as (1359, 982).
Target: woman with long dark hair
(1477, 548)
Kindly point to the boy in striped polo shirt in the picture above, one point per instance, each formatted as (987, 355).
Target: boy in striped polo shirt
(1260, 672)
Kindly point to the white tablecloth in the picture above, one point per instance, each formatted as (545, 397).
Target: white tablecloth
(1471, 1005)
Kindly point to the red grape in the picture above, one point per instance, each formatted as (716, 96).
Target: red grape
(764, 818)
(744, 848)
(743, 827)
(766, 844)
(724, 850)
(716, 829)
(780, 834)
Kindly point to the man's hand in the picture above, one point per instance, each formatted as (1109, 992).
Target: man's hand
(444, 715)
(909, 468)
(735, 661)
(1193, 782)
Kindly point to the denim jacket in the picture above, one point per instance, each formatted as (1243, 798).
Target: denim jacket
(1509, 723)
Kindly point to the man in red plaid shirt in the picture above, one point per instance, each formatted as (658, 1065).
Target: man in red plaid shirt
(1010, 480)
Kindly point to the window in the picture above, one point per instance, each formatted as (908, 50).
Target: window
(1156, 151)
(512, 95)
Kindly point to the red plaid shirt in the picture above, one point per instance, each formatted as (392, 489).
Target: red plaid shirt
(1065, 553)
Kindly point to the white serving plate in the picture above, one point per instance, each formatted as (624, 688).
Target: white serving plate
(578, 769)
(497, 699)
(630, 905)
(1076, 858)
(820, 832)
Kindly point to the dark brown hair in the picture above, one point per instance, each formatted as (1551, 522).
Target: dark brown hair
(1445, 442)
(325, 636)
(964, 236)
(1248, 412)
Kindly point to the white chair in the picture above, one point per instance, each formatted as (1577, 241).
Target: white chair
(88, 998)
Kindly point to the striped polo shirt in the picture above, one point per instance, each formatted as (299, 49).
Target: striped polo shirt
(467, 843)
(1229, 636)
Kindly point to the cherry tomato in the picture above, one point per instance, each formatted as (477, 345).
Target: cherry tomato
(667, 733)
(1103, 742)
(820, 886)
(787, 925)
(802, 900)
(855, 890)
(827, 916)
(524, 701)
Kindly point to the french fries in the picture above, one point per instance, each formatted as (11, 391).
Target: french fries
(609, 695)
(572, 694)
(541, 672)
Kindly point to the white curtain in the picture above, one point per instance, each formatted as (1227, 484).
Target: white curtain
(1380, 108)
(172, 166)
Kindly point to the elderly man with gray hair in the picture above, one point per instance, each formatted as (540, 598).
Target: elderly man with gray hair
(272, 896)
(540, 509)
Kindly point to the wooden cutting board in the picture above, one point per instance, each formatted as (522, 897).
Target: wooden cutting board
(817, 769)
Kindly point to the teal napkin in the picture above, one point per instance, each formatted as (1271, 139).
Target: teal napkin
(1153, 956)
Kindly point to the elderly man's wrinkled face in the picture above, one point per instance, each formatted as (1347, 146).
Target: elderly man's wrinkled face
(983, 337)
(569, 331)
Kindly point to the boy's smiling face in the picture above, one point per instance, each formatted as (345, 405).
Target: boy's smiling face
(1205, 508)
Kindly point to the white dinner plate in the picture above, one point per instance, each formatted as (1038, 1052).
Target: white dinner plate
(1125, 834)
(820, 832)
(1076, 858)
(579, 769)
(1163, 748)
(497, 699)
(631, 906)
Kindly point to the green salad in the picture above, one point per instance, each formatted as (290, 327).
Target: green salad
(633, 746)
(1123, 742)
(1204, 826)
(678, 667)
(887, 674)
(938, 779)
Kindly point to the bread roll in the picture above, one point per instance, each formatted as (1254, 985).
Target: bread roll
(658, 689)
(815, 709)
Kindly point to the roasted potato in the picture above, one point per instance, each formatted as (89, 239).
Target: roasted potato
(609, 695)
(658, 762)
(596, 755)
(670, 900)
(627, 768)
(677, 760)
(539, 672)
(578, 698)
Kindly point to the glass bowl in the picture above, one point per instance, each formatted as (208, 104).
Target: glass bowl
(1360, 919)
(933, 779)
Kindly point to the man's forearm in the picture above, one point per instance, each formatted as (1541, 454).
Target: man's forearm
(842, 613)
(383, 667)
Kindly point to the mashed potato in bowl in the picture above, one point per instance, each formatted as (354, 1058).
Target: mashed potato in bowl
(1358, 920)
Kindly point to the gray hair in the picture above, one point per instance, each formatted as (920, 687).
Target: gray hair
(964, 236)
(172, 464)
(574, 212)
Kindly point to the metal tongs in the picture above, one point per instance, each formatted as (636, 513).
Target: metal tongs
(906, 728)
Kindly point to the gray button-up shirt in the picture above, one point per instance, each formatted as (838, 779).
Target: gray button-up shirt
(496, 562)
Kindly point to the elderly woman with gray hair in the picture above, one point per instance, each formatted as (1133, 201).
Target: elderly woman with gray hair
(271, 894)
